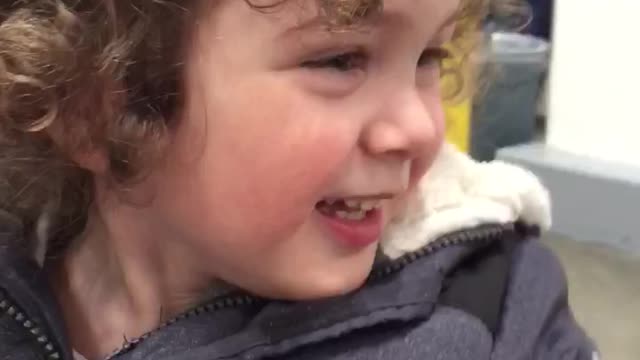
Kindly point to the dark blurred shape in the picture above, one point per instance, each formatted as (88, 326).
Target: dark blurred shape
(541, 22)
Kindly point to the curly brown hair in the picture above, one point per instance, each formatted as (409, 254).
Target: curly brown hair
(85, 74)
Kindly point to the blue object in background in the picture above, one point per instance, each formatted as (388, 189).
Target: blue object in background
(505, 115)
(542, 17)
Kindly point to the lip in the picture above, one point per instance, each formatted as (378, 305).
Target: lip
(355, 233)
(381, 196)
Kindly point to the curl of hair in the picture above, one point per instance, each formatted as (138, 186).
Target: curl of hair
(77, 75)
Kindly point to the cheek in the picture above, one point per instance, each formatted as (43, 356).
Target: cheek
(422, 164)
(265, 163)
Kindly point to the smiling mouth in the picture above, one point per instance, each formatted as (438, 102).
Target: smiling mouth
(356, 221)
(349, 209)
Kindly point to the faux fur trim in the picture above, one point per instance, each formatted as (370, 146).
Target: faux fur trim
(459, 193)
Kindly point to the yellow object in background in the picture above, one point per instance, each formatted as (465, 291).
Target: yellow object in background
(458, 123)
(456, 87)
(457, 83)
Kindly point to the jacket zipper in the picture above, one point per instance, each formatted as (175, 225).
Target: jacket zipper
(38, 333)
(482, 234)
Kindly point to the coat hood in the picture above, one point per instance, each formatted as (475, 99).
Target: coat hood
(459, 193)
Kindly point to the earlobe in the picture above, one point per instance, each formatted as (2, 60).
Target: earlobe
(85, 155)
(94, 160)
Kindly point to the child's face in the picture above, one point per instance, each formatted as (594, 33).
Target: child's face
(282, 114)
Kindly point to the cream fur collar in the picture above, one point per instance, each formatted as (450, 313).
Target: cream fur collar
(459, 193)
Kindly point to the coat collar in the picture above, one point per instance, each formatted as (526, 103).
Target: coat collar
(459, 193)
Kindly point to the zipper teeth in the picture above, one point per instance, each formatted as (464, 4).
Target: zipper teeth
(225, 302)
(11, 309)
(486, 233)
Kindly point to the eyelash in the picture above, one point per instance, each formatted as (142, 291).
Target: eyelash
(358, 60)
(342, 62)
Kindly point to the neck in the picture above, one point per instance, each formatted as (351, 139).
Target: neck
(121, 281)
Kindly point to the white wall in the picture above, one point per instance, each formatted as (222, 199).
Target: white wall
(594, 104)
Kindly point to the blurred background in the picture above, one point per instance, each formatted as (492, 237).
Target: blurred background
(563, 102)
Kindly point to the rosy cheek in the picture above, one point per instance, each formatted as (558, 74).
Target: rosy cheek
(293, 177)
(311, 169)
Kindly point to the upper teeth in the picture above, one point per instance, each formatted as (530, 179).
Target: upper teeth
(363, 204)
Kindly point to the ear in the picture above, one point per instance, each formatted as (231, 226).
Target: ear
(86, 155)
(93, 159)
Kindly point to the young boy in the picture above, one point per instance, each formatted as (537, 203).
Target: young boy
(246, 180)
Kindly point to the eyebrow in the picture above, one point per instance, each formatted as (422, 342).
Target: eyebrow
(366, 22)
(321, 21)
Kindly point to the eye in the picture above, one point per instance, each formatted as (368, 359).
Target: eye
(433, 57)
(342, 63)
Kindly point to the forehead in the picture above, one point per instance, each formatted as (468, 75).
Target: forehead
(231, 28)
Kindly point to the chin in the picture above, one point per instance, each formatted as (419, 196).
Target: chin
(326, 285)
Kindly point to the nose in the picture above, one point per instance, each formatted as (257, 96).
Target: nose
(406, 127)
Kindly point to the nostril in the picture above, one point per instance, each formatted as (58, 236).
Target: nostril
(399, 154)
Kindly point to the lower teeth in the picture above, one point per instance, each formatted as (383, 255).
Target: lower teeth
(353, 215)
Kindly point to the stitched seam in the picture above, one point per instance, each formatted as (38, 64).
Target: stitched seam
(348, 324)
